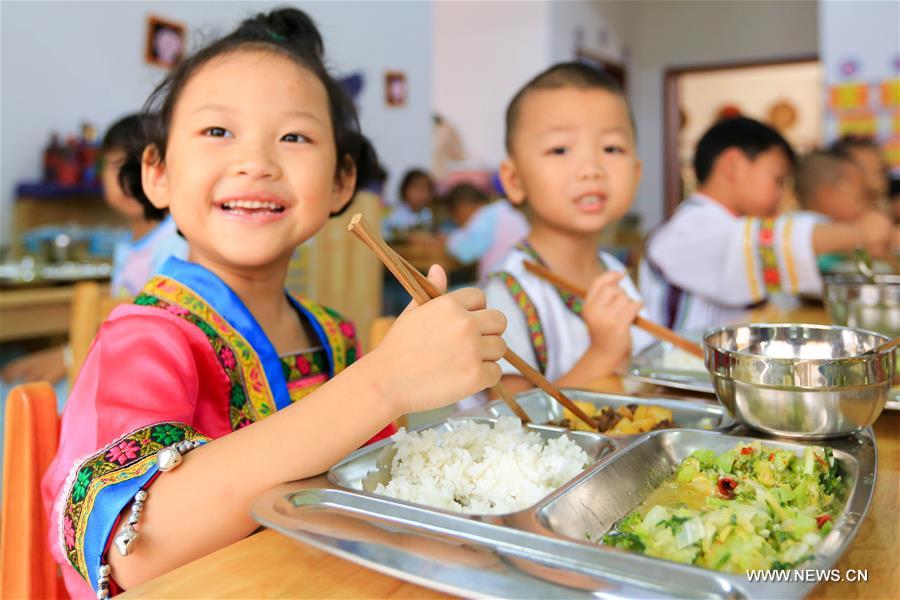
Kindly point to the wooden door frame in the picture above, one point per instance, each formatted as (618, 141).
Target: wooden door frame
(671, 117)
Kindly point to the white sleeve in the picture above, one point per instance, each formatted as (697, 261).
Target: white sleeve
(517, 335)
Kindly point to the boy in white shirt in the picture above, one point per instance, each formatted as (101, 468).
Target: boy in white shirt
(725, 250)
(572, 165)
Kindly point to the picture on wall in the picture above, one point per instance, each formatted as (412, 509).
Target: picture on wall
(396, 89)
(166, 42)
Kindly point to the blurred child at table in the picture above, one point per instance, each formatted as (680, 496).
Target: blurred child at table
(724, 250)
(831, 184)
(572, 166)
(153, 236)
(487, 231)
(151, 239)
(415, 208)
(866, 153)
(255, 147)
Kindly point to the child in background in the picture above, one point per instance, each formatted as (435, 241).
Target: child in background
(487, 231)
(724, 250)
(832, 185)
(134, 262)
(572, 165)
(866, 153)
(153, 236)
(255, 147)
(414, 211)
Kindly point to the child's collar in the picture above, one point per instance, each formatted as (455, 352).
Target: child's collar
(707, 198)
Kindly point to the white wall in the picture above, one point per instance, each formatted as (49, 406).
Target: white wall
(597, 27)
(690, 32)
(483, 53)
(64, 62)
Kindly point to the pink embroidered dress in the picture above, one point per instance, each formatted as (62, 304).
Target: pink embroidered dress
(186, 361)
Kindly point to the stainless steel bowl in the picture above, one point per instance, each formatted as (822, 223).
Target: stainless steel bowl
(799, 381)
(854, 301)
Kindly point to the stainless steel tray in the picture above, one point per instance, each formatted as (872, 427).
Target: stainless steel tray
(542, 552)
(370, 465)
(649, 366)
(541, 408)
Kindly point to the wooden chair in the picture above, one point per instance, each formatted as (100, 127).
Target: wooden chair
(378, 330)
(30, 438)
(91, 304)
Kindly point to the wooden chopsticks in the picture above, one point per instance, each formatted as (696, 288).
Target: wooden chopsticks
(650, 327)
(422, 290)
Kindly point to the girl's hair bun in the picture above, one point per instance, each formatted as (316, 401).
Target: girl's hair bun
(289, 26)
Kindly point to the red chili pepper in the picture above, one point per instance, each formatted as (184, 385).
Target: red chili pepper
(726, 487)
(746, 450)
(772, 457)
(822, 519)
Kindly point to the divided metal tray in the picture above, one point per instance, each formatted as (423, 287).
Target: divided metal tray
(542, 408)
(542, 551)
(649, 366)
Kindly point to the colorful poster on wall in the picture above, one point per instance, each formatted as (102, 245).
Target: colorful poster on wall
(849, 96)
(890, 93)
(892, 152)
(861, 123)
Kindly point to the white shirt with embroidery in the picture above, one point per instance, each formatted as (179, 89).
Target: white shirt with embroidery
(706, 266)
(556, 331)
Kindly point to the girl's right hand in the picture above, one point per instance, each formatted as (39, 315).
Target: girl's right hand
(440, 352)
(608, 313)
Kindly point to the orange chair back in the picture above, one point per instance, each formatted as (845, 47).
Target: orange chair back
(30, 439)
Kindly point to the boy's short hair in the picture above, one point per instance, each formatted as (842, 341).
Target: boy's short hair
(562, 75)
(750, 136)
(462, 192)
(818, 168)
(848, 143)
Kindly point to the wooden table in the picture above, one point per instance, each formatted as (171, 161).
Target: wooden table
(39, 311)
(271, 565)
(423, 250)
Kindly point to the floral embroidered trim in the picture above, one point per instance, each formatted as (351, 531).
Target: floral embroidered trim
(767, 257)
(305, 372)
(250, 398)
(572, 302)
(340, 333)
(749, 260)
(535, 331)
(787, 254)
(126, 458)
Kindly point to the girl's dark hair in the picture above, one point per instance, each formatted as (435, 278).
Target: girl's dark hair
(410, 176)
(129, 135)
(291, 33)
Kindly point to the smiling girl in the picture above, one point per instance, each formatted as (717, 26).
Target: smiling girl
(215, 369)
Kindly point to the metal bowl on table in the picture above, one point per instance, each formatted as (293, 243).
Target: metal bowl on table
(799, 381)
(856, 301)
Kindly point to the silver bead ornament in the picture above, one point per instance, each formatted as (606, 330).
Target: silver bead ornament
(168, 458)
(126, 539)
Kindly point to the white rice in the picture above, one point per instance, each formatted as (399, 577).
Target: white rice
(479, 469)
(677, 359)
